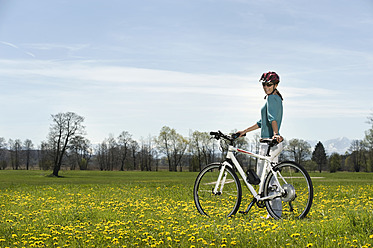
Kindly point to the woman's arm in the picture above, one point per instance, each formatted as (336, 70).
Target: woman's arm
(249, 129)
(276, 135)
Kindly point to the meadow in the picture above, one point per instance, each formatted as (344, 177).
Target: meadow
(156, 209)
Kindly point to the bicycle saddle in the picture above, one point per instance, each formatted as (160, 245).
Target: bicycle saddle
(269, 141)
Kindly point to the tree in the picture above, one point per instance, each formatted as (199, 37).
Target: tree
(173, 145)
(357, 154)
(201, 148)
(368, 142)
(45, 156)
(147, 155)
(319, 156)
(299, 150)
(255, 147)
(335, 162)
(15, 150)
(124, 141)
(107, 154)
(80, 153)
(102, 155)
(28, 146)
(3, 154)
(134, 150)
(64, 129)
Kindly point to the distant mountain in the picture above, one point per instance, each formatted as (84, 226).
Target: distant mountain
(338, 145)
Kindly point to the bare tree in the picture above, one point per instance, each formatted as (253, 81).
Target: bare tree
(368, 142)
(173, 145)
(357, 154)
(80, 153)
(196, 150)
(299, 150)
(3, 154)
(46, 156)
(124, 141)
(15, 150)
(102, 155)
(134, 150)
(28, 146)
(65, 127)
(147, 155)
(202, 150)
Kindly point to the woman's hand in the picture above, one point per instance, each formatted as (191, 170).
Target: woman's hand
(249, 129)
(278, 137)
(241, 134)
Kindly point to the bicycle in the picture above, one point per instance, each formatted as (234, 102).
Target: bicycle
(217, 189)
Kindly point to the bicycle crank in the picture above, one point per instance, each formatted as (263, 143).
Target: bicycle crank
(261, 204)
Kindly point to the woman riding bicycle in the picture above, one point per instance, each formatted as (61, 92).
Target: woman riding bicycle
(270, 123)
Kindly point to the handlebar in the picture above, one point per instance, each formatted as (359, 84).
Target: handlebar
(217, 135)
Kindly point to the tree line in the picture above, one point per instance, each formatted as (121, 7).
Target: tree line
(66, 146)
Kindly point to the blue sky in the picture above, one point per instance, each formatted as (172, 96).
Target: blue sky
(137, 66)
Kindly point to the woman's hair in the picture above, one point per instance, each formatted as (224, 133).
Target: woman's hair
(278, 93)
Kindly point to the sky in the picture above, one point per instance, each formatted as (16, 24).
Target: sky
(137, 66)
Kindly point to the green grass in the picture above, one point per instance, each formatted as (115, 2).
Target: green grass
(156, 209)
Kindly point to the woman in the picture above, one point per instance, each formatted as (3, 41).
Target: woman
(270, 123)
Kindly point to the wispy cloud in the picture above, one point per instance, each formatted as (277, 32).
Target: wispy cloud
(16, 47)
(9, 44)
(93, 77)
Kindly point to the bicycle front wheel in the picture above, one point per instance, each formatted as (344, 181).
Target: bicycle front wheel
(296, 201)
(223, 202)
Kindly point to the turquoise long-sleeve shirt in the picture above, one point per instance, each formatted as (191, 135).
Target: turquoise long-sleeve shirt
(271, 111)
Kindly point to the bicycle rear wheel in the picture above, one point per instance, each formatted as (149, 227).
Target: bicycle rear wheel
(297, 200)
(226, 201)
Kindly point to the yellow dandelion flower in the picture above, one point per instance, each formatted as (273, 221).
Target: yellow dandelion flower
(295, 235)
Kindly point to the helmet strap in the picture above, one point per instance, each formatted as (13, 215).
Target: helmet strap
(271, 93)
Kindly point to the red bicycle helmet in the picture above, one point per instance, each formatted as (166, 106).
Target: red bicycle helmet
(270, 77)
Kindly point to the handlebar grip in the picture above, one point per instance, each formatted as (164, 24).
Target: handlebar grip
(217, 135)
(236, 135)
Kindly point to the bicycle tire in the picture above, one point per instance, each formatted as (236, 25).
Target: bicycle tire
(225, 203)
(297, 201)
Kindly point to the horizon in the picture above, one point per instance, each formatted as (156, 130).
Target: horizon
(189, 65)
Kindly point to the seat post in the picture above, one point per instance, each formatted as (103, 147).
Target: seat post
(268, 150)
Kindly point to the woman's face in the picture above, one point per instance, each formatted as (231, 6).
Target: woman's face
(268, 88)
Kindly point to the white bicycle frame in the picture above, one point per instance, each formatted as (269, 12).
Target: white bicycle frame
(267, 167)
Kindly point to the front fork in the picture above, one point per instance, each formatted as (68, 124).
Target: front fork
(221, 180)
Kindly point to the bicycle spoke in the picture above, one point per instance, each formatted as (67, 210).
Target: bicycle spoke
(297, 200)
(226, 202)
